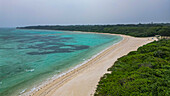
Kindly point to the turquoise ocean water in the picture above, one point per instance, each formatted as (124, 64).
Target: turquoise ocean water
(28, 57)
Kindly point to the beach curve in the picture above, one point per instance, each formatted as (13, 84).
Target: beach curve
(83, 80)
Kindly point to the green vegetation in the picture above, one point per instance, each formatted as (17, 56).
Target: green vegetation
(137, 30)
(145, 72)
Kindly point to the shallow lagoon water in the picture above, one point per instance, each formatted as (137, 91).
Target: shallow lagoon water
(28, 57)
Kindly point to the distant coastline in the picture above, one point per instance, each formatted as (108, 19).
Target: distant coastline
(136, 30)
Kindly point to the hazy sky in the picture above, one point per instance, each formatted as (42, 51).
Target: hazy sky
(39, 12)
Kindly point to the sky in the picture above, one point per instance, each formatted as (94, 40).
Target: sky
(15, 13)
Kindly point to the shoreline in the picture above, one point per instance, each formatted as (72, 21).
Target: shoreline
(49, 87)
(50, 80)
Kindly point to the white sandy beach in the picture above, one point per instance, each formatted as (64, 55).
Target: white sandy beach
(83, 80)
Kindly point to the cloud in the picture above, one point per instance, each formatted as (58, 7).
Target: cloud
(33, 12)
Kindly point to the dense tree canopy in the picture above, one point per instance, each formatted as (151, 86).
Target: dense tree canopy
(137, 30)
(145, 72)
